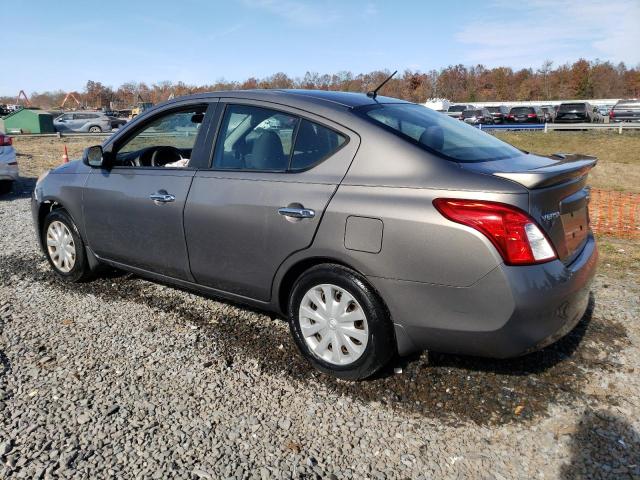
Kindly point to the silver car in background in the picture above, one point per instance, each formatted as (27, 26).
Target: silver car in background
(84, 122)
(375, 226)
(8, 163)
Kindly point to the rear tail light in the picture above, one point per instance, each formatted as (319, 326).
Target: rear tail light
(532, 115)
(5, 141)
(510, 116)
(611, 114)
(514, 233)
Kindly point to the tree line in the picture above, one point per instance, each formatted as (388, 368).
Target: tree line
(580, 80)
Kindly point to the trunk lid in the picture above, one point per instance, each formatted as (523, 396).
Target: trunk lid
(558, 194)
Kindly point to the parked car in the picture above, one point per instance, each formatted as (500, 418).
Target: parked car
(376, 226)
(526, 115)
(456, 110)
(549, 113)
(499, 114)
(8, 163)
(577, 112)
(625, 111)
(93, 122)
(478, 116)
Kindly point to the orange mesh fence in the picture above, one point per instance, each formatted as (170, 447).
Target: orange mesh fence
(616, 214)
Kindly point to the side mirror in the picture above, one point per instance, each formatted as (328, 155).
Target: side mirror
(94, 156)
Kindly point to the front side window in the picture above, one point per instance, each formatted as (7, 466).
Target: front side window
(437, 133)
(166, 141)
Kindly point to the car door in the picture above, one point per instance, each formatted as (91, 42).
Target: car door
(273, 173)
(64, 122)
(133, 210)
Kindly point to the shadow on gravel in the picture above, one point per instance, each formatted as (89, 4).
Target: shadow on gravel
(452, 388)
(604, 446)
(21, 188)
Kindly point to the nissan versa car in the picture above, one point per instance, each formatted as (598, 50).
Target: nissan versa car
(376, 226)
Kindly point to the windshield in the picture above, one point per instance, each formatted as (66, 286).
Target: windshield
(437, 133)
(569, 107)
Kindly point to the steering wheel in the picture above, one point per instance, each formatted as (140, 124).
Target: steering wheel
(163, 155)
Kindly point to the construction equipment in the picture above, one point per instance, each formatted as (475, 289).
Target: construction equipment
(140, 107)
(72, 96)
(27, 102)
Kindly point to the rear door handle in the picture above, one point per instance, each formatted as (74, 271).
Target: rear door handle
(162, 197)
(297, 212)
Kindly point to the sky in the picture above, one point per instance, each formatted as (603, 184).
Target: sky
(54, 45)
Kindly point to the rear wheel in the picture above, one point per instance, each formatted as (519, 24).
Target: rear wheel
(64, 247)
(339, 323)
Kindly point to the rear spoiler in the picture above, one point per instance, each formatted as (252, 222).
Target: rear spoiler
(568, 168)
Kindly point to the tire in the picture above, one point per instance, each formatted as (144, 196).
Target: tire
(375, 333)
(95, 129)
(6, 186)
(76, 269)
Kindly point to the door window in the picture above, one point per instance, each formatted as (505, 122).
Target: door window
(261, 139)
(255, 138)
(165, 141)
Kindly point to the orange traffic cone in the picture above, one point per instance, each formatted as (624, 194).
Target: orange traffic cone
(65, 156)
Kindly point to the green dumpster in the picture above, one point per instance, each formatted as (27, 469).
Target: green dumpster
(29, 120)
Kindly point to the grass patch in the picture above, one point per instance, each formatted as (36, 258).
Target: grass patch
(619, 155)
(619, 258)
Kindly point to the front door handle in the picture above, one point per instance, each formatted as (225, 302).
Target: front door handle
(297, 212)
(162, 197)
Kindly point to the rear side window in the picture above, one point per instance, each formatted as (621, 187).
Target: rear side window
(261, 139)
(314, 143)
(437, 133)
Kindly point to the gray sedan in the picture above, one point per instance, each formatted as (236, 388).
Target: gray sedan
(375, 226)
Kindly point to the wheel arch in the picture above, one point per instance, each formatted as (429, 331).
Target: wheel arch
(288, 274)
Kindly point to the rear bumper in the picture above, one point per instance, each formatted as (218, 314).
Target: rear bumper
(8, 172)
(572, 120)
(7, 156)
(509, 312)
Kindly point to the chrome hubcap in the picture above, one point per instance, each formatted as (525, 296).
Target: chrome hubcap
(61, 247)
(333, 324)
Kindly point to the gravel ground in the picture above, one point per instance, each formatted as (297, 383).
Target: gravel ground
(121, 377)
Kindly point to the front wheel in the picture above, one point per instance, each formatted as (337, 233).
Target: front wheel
(95, 129)
(64, 247)
(339, 323)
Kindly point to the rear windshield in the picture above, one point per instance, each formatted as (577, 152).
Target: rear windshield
(571, 107)
(471, 113)
(437, 133)
(521, 110)
(494, 109)
(457, 108)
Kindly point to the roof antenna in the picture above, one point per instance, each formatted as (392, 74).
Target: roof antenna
(374, 93)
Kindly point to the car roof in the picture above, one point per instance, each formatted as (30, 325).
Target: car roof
(300, 96)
